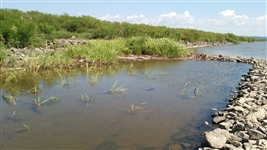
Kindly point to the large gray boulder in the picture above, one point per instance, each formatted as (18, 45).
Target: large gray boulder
(216, 138)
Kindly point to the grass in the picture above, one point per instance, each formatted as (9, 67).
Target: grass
(10, 99)
(95, 52)
(52, 99)
(197, 89)
(88, 99)
(135, 109)
(117, 89)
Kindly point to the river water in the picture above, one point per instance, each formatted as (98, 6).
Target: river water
(172, 114)
(256, 50)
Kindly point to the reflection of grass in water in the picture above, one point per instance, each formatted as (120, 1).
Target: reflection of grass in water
(24, 127)
(52, 99)
(149, 74)
(10, 99)
(64, 81)
(184, 90)
(197, 89)
(117, 89)
(131, 69)
(12, 115)
(94, 79)
(86, 98)
(35, 89)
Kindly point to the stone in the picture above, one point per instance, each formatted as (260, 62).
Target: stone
(256, 134)
(218, 119)
(239, 126)
(247, 146)
(227, 125)
(243, 135)
(232, 147)
(215, 138)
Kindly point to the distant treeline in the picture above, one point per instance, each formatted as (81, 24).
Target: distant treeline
(33, 28)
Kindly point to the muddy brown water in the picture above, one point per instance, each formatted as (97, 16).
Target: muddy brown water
(172, 114)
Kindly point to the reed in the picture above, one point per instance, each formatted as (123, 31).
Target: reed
(135, 109)
(12, 115)
(94, 79)
(117, 89)
(197, 89)
(88, 99)
(10, 99)
(52, 99)
(184, 90)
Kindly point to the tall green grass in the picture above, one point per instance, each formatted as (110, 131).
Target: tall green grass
(150, 46)
(95, 52)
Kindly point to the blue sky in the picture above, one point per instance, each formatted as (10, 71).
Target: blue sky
(239, 17)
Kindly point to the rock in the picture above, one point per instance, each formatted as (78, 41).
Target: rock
(239, 126)
(226, 125)
(256, 134)
(218, 119)
(243, 135)
(247, 146)
(232, 147)
(216, 138)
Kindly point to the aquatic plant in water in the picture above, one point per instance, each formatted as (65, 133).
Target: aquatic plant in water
(24, 127)
(94, 79)
(35, 89)
(131, 69)
(184, 90)
(149, 74)
(197, 89)
(86, 98)
(52, 99)
(117, 89)
(10, 99)
(135, 109)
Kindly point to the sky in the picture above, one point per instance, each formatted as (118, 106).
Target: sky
(240, 17)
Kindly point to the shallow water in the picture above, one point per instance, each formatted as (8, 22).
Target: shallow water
(172, 114)
(256, 50)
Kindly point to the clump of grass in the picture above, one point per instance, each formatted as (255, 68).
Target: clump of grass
(184, 90)
(52, 99)
(88, 99)
(117, 89)
(12, 115)
(35, 89)
(135, 109)
(149, 74)
(94, 79)
(24, 127)
(151, 46)
(197, 89)
(10, 99)
(131, 69)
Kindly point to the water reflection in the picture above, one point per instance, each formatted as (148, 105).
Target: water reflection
(153, 113)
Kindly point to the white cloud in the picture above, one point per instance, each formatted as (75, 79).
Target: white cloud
(227, 13)
(109, 18)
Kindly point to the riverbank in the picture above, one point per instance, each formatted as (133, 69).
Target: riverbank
(243, 123)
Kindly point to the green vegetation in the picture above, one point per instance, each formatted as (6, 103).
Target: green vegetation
(52, 99)
(33, 28)
(96, 52)
(117, 89)
(107, 41)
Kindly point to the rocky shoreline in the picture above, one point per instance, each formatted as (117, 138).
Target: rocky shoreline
(243, 123)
